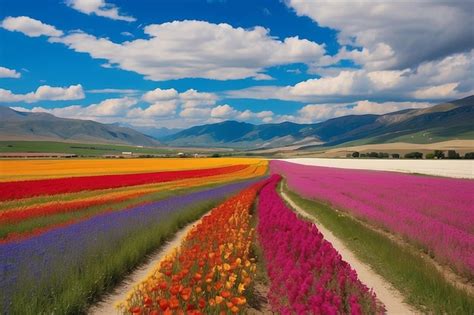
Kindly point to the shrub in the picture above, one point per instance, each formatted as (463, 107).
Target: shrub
(414, 155)
(452, 154)
(469, 156)
(439, 154)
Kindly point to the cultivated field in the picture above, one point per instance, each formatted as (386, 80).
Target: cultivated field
(72, 231)
(448, 168)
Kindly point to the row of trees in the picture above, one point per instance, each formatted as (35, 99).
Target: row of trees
(437, 154)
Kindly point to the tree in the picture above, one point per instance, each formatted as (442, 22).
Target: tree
(373, 155)
(395, 156)
(355, 154)
(430, 156)
(439, 154)
(469, 155)
(414, 155)
(452, 154)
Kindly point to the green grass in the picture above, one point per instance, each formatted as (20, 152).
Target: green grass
(420, 282)
(79, 287)
(81, 149)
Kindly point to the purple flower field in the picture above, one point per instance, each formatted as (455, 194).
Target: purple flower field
(435, 213)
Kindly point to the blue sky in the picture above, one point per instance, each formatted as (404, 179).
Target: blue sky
(181, 63)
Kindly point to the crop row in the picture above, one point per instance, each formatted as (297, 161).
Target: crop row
(55, 168)
(307, 275)
(436, 214)
(31, 188)
(61, 270)
(20, 218)
(211, 270)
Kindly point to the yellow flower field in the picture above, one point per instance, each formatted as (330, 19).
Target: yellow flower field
(12, 170)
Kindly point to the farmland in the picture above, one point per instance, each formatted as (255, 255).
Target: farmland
(72, 230)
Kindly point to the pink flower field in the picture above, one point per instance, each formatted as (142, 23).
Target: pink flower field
(307, 275)
(435, 213)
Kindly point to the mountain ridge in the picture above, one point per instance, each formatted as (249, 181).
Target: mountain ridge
(449, 120)
(17, 125)
(455, 117)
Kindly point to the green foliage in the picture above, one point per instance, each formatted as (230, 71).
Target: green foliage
(439, 154)
(452, 154)
(469, 155)
(414, 155)
(80, 149)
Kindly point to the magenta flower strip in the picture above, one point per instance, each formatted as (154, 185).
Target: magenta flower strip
(307, 275)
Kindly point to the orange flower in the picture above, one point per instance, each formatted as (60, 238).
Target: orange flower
(219, 299)
(202, 303)
(147, 301)
(163, 303)
(186, 293)
(225, 294)
(174, 303)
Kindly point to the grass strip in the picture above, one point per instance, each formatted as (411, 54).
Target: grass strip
(422, 285)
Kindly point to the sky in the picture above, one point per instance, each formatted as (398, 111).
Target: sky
(179, 63)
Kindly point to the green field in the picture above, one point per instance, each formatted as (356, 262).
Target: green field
(76, 148)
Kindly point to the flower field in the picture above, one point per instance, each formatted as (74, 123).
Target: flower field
(307, 275)
(436, 214)
(64, 240)
(211, 270)
(70, 233)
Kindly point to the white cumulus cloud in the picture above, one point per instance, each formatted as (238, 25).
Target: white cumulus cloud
(9, 73)
(196, 49)
(44, 93)
(30, 27)
(394, 34)
(99, 8)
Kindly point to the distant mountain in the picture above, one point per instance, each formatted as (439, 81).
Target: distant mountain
(15, 125)
(157, 133)
(452, 120)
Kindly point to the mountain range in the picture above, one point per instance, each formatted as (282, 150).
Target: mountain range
(15, 125)
(446, 121)
(452, 120)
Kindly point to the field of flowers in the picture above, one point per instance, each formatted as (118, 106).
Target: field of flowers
(70, 233)
(211, 270)
(65, 240)
(307, 275)
(434, 213)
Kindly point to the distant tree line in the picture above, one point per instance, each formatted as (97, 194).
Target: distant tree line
(437, 154)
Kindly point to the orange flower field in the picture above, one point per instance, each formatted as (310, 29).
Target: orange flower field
(211, 270)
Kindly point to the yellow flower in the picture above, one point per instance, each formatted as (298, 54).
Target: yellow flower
(241, 288)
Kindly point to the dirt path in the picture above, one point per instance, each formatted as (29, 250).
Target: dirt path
(119, 294)
(389, 296)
